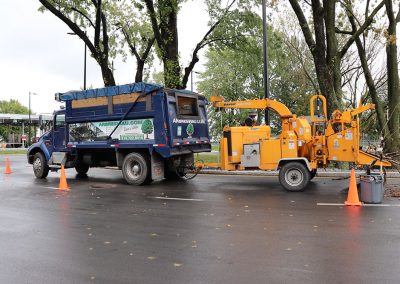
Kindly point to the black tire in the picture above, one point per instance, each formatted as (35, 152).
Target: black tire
(171, 172)
(82, 169)
(40, 167)
(313, 173)
(294, 176)
(136, 169)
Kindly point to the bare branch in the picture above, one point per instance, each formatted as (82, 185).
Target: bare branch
(202, 43)
(83, 15)
(303, 24)
(98, 23)
(339, 31)
(74, 27)
(105, 35)
(361, 29)
(154, 22)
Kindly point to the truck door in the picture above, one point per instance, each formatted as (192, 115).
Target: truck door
(59, 132)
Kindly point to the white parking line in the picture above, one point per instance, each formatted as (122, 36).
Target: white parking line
(50, 187)
(172, 198)
(367, 205)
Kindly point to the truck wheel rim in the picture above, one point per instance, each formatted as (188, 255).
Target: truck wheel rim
(135, 171)
(294, 177)
(37, 165)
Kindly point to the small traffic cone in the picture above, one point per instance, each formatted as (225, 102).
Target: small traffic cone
(63, 180)
(352, 196)
(8, 168)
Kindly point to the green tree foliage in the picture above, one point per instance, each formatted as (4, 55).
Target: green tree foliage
(163, 15)
(107, 27)
(147, 127)
(88, 19)
(135, 32)
(328, 42)
(237, 74)
(11, 107)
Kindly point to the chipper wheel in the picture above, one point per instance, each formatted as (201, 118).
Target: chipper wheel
(294, 176)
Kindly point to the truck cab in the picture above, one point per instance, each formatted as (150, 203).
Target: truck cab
(51, 141)
(148, 131)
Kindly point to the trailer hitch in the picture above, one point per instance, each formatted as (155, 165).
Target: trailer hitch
(188, 171)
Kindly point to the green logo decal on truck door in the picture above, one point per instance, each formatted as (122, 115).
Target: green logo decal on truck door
(147, 127)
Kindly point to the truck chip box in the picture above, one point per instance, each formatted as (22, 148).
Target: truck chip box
(148, 131)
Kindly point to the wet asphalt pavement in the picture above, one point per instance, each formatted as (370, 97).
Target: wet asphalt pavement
(219, 229)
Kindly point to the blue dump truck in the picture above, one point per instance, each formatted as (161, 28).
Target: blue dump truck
(148, 131)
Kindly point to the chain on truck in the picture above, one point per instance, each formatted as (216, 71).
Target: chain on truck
(148, 131)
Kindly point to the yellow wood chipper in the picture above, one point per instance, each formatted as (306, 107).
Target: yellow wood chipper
(302, 147)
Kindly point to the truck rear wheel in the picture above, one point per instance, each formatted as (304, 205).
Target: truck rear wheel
(294, 176)
(136, 169)
(40, 167)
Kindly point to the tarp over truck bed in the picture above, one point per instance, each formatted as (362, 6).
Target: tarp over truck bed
(108, 92)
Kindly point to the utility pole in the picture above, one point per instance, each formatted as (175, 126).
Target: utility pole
(84, 69)
(265, 50)
(30, 121)
(84, 63)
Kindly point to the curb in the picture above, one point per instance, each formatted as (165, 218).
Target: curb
(320, 173)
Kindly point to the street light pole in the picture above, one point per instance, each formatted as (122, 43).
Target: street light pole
(29, 111)
(84, 63)
(30, 121)
(265, 51)
(84, 69)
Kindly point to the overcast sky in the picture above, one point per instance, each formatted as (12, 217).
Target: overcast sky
(37, 55)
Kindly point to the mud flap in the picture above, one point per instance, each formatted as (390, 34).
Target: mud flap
(157, 167)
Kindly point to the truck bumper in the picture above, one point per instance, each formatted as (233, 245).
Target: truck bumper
(183, 149)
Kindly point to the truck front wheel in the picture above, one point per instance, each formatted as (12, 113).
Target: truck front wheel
(294, 176)
(82, 169)
(40, 167)
(136, 169)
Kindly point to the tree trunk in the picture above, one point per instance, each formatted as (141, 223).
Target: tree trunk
(169, 37)
(380, 111)
(172, 72)
(324, 75)
(318, 49)
(393, 81)
(139, 71)
(108, 76)
(333, 59)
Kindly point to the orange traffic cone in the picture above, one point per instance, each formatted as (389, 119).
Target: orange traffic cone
(352, 196)
(8, 168)
(63, 180)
